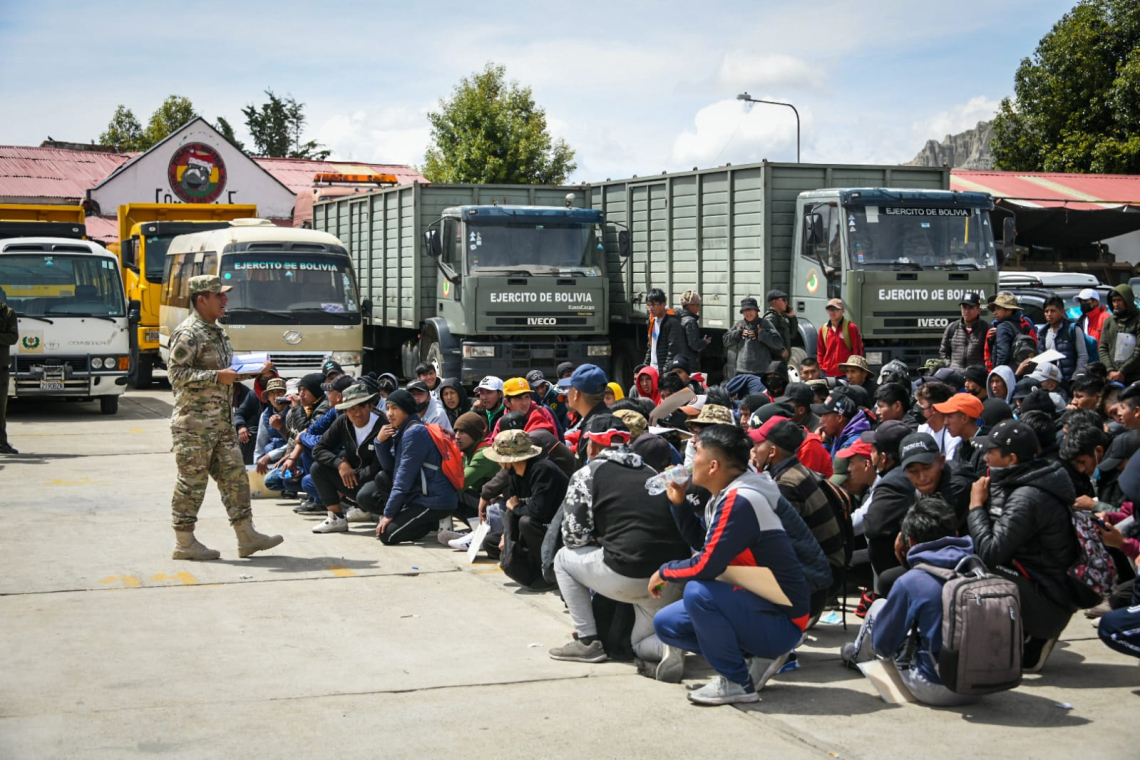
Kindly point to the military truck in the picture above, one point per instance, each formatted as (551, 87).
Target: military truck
(901, 259)
(477, 279)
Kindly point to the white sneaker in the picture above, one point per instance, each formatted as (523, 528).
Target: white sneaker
(356, 514)
(721, 691)
(762, 669)
(461, 543)
(332, 524)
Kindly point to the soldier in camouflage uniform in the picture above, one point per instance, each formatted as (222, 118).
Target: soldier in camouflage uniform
(205, 442)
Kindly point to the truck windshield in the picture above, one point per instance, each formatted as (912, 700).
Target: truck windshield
(910, 237)
(533, 247)
(155, 252)
(281, 287)
(45, 284)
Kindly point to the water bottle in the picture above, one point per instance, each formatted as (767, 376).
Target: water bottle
(677, 474)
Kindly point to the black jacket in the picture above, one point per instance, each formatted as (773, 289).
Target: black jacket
(694, 343)
(1027, 523)
(540, 490)
(464, 402)
(338, 444)
(891, 499)
(247, 409)
(670, 341)
(9, 334)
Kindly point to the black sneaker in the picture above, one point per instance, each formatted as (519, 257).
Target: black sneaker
(7, 447)
(310, 509)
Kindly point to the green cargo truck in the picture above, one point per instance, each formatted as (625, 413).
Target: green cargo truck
(901, 259)
(477, 279)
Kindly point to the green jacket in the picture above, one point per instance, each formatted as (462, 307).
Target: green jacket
(478, 469)
(1128, 324)
(9, 334)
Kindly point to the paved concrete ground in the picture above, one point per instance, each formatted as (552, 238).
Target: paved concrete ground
(338, 646)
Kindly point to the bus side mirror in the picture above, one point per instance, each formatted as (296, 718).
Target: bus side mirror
(624, 247)
(432, 243)
(366, 307)
(134, 311)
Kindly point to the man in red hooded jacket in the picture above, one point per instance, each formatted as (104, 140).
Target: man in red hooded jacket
(517, 398)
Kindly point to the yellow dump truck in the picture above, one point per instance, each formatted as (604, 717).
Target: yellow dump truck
(145, 232)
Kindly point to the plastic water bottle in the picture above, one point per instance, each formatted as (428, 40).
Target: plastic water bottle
(678, 474)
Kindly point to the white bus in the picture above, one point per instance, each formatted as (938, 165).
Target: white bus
(294, 293)
(74, 329)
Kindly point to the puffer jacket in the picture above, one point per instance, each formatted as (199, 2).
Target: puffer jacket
(694, 343)
(670, 341)
(963, 346)
(1026, 525)
(1064, 341)
(1128, 323)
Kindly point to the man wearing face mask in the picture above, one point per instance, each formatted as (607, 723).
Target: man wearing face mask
(428, 407)
(1093, 313)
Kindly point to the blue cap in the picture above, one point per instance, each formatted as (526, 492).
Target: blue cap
(589, 378)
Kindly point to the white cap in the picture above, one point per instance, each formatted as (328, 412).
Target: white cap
(1087, 294)
(490, 383)
(1047, 371)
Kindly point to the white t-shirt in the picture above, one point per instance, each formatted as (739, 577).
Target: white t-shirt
(362, 432)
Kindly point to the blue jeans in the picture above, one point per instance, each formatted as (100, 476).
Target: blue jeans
(1120, 629)
(310, 489)
(724, 624)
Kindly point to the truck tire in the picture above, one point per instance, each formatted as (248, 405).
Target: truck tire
(144, 373)
(795, 358)
(432, 353)
(108, 404)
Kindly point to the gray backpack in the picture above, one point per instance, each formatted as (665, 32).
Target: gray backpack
(981, 629)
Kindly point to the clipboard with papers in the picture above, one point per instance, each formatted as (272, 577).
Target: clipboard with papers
(249, 364)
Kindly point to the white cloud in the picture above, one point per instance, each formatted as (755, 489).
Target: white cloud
(728, 131)
(741, 70)
(954, 120)
(394, 135)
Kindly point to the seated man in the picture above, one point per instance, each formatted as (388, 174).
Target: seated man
(311, 406)
(426, 374)
(471, 437)
(311, 503)
(722, 621)
(615, 536)
(421, 495)
(428, 407)
(881, 514)
(535, 490)
(345, 461)
(547, 395)
(801, 397)
(914, 605)
(517, 398)
(841, 421)
(892, 402)
(270, 446)
(247, 415)
(1022, 528)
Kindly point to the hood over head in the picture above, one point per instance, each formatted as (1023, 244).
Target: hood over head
(1006, 374)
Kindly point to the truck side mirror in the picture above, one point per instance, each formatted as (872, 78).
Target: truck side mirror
(134, 311)
(432, 243)
(624, 248)
(129, 252)
(813, 229)
(366, 307)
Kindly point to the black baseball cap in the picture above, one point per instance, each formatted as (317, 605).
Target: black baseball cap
(417, 385)
(680, 361)
(564, 368)
(1014, 437)
(799, 393)
(1024, 387)
(330, 367)
(340, 384)
(918, 447)
(768, 411)
(1122, 448)
(836, 403)
(887, 437)
(971, 299)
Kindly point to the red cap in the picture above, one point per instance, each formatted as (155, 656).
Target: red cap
(859, 448)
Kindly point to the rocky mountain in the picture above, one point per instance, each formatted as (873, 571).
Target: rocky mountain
(965, 150)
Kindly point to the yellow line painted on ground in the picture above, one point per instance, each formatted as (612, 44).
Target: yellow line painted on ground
(340, 572)
(186, 578)
(488, 570)
(129, 581)
(137, 430)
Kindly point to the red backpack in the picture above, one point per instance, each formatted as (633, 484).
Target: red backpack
(452, 464)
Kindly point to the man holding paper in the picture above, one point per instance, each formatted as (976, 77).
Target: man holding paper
(746, 595)
(202, 425)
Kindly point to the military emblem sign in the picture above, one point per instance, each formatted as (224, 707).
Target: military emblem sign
(32, 343)
(197, 174)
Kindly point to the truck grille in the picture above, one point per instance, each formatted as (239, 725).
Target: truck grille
(24, 364)
(547, 322)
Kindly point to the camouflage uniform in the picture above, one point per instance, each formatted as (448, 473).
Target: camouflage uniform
(205, 442)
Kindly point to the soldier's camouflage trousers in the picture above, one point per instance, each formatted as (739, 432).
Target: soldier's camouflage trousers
(201, 455)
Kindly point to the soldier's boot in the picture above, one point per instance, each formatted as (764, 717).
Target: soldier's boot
(188, 547)
(250, 541)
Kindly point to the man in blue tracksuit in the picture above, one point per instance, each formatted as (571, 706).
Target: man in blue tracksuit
(915, 603)
(722, 621)
(421, 495)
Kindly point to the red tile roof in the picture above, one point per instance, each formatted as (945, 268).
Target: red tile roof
(1050, 189)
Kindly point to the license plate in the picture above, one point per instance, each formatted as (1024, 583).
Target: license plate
(51, 385)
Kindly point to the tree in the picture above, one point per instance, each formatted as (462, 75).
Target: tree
(1077, 106)
(491, 131)
(123, 132)
(174, 112)
(277, 129)
(227, 131)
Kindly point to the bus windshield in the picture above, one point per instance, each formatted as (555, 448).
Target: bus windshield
(47, 284)
(533, 247)
(277, 288)
(155, 252)
(914, 237)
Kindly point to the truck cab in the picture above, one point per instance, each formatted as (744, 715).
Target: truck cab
(519, 288)
(900, 259)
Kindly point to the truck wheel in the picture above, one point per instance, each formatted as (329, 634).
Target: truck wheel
(144, 375)
(108, 404)
(432, 354)
(795, 358)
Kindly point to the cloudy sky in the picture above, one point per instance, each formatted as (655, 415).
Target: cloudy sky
(633, 87)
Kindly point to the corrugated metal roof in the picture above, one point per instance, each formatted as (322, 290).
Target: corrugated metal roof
(27, 172)
(1083, 192)
(297, 173)
(103, 229)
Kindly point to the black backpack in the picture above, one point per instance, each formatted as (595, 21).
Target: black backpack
(841, 508)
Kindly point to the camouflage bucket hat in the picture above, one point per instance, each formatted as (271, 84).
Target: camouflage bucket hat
(355, 395)
(207, 283)
(276, 384)
(512, 446)
(713, 414)
(636, 423)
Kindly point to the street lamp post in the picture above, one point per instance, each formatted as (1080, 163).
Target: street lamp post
(748, 98)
